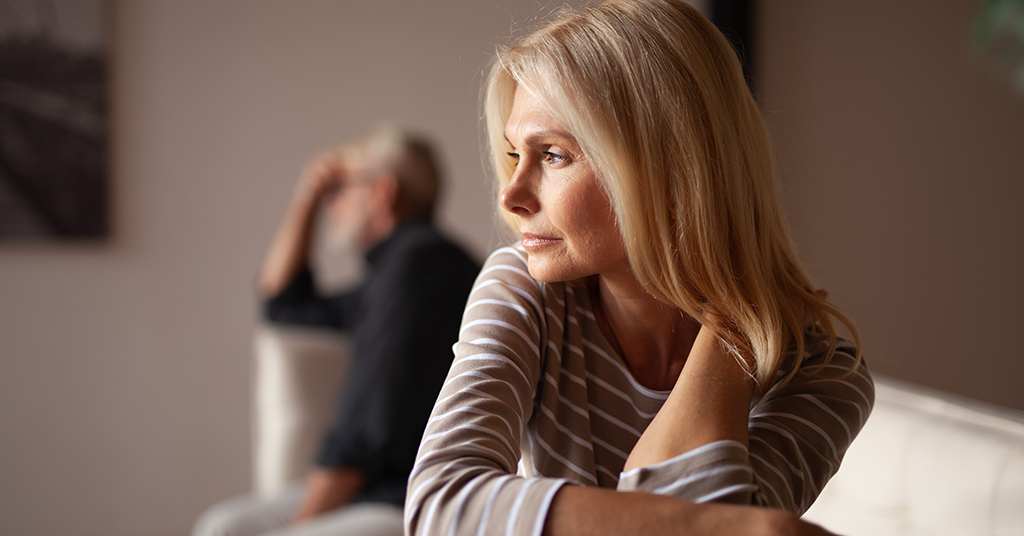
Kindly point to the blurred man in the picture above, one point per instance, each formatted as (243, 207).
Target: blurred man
(404, 318)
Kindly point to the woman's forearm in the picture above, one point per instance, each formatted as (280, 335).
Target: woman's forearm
(589, 510)
(710, 401)
(583, 510)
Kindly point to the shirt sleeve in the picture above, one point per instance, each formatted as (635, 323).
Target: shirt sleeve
(798, 433)
(464, 480)
(300, 303)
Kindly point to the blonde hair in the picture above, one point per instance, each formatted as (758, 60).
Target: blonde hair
(655, 96)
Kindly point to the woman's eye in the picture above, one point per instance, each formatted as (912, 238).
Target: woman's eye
(553, 157)
(513, 156)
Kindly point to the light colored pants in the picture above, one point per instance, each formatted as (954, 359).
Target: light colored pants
(253, 515)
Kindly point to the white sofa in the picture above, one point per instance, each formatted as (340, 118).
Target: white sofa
(925, 462)
(928, 463)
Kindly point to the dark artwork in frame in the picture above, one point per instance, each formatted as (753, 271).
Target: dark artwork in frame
(53, 120)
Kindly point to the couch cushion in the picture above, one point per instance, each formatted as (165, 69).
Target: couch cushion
(928, 463)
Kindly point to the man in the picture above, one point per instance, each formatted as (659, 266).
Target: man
(381, 194)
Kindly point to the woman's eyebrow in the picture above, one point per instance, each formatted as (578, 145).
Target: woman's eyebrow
(533, 137)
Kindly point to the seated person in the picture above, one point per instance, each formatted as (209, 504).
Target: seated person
(650, 357)
(403, 319)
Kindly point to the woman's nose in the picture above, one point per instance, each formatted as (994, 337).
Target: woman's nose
(518, 197)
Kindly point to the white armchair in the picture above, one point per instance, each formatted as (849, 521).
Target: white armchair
(298, 374)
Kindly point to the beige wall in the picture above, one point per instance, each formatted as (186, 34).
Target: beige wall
(903, 174)
(125, 389)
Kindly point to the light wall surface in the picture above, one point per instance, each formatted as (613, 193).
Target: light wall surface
(902, 172)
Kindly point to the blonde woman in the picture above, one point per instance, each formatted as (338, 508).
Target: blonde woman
(649, 357)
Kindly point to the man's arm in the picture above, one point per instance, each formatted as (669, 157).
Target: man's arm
(287, 283)
(289, 250)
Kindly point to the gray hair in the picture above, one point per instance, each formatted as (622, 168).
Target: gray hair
(412, 160)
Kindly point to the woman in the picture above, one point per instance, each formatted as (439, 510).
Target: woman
(649, 356)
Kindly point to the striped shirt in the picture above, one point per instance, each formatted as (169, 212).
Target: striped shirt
(536, 398)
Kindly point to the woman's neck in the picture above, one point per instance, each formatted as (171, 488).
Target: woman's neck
(654, 338)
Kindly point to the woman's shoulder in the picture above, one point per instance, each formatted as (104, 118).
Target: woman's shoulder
(821, 347)
(513, 255)
(822, 356)
(832, 362)
(506, 271)
(505, 279)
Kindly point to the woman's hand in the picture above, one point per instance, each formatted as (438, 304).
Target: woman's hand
(709, 357)
(710, 401)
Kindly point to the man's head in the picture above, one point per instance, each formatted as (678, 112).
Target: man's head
(390, 176)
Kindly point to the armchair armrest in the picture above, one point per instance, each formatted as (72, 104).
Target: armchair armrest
(298, 373)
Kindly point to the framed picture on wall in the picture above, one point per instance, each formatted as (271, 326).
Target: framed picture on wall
(54, 142)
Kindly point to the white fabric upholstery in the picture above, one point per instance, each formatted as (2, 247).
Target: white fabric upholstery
(928, 463)
(298, 373)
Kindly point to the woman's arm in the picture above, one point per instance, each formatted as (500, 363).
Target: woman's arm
(586, 510)
(709, 402)
(800, 430)
(794, 439)
(464, 480)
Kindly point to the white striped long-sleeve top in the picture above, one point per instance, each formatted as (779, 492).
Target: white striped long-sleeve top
(536, 398)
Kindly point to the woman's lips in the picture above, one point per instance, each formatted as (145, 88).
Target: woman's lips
(532, 241)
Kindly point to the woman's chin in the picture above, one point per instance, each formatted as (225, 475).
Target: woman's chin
(549, 270)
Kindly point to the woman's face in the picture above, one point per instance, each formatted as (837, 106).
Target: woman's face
(564, 217)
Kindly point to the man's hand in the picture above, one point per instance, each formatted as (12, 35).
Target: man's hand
(328, 489)
(324, 176)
